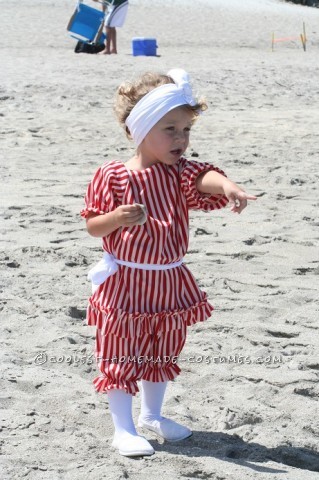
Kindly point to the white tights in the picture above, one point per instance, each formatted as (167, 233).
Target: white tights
(120, 404)
(152, 399)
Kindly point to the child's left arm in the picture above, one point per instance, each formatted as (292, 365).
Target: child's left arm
(214, 183)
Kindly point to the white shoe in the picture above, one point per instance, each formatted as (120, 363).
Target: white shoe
(168, 429)
(132, 445)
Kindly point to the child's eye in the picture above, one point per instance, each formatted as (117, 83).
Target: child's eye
(171, 129)
(187, 129)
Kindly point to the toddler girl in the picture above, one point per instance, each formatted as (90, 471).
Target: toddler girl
(144, 297)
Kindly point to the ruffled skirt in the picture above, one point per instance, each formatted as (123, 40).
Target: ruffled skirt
(132, 345)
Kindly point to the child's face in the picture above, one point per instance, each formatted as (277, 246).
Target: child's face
(169, 138)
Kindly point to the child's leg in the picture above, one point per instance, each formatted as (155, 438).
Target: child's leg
(152, 399)
(120, 404)
(126, 439)
(150, 418)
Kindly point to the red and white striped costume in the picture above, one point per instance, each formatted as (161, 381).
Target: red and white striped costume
(141, 316)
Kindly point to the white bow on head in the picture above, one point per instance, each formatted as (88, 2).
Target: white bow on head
(181, 79)
(159, 101)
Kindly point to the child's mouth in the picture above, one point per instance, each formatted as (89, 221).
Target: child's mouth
(177, 151)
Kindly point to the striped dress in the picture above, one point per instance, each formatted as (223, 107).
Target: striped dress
(141, 316)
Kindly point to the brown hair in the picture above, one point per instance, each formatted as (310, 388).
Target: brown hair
(129, 93)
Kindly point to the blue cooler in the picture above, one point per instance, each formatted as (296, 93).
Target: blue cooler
(144, 46)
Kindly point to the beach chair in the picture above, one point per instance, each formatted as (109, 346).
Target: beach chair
(86, 24)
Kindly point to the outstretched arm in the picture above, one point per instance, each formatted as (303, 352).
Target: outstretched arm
(216, 184)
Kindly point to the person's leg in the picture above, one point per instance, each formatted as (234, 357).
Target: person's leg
(108, 40)
(119, 382)
(120, 404)
(126, 439)
(151, 418)
(107, 48)
(166, 346)
(152, 396)
(113, 47)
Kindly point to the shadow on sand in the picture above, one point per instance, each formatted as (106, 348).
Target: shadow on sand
(231, 448)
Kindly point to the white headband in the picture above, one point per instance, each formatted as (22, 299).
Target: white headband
(155, 104)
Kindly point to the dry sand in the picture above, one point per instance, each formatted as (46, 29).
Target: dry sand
(250, 420)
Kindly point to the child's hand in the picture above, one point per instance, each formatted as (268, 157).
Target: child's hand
(237, 197)
(130, 215)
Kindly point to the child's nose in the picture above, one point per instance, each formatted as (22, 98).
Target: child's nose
(180, 135)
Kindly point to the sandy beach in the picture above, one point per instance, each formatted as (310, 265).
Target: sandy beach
(249, 383)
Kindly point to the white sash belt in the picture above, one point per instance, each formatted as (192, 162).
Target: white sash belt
(109, 265)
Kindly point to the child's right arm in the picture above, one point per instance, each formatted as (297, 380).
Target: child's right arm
(123, 216)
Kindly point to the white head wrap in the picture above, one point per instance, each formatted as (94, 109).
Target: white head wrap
(159, 101)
